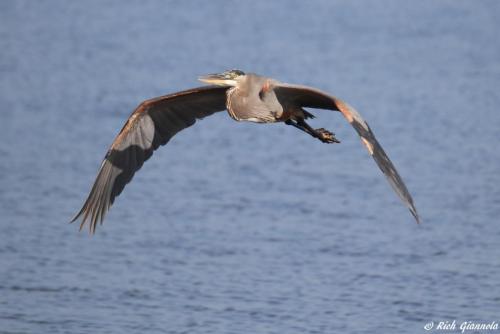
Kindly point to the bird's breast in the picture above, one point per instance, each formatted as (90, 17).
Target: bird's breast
(250, 107)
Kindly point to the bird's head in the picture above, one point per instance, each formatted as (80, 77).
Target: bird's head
(227, 78)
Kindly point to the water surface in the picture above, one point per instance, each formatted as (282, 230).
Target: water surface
(243, 228)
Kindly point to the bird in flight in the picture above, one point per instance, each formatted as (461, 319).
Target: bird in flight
(246, 97)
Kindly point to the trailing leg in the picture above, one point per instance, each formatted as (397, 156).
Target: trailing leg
(322, 134)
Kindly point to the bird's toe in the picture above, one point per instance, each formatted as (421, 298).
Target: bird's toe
(326, 136)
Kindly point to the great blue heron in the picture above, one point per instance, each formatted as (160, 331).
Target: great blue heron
(247, 97)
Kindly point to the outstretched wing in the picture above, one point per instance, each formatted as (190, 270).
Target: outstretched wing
(151, 124)
(309, 97)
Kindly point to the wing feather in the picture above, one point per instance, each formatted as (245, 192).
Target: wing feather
(152, 124)
(313, 98)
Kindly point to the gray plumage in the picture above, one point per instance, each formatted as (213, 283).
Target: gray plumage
(247, 97)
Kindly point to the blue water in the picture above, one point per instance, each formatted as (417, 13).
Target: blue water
(245, 228)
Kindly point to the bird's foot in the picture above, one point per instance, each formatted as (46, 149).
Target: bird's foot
(326, 136)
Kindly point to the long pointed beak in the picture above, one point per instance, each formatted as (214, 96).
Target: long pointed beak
(217, 79)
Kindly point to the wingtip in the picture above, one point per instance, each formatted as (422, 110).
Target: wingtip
(75, 217)
(415, 215)
(82, 224)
